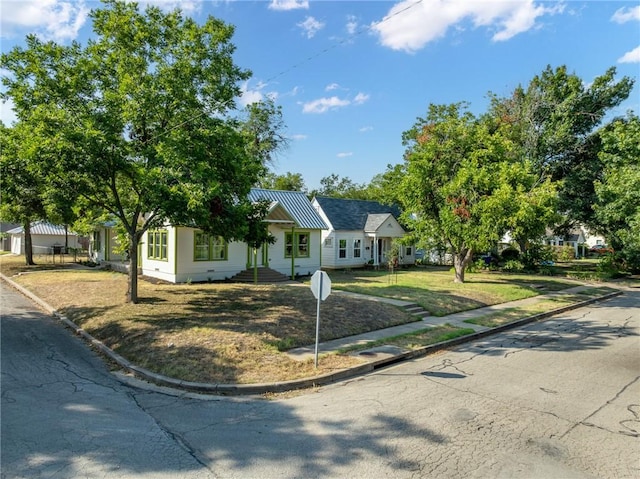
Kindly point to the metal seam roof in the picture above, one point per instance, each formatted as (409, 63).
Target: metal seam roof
(42, 228)
(295, 203)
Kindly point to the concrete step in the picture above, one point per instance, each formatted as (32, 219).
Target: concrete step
(265, 276)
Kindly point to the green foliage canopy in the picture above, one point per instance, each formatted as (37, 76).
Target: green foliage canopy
(140, 122)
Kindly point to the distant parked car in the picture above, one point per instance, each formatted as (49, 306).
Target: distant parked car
(600, 249)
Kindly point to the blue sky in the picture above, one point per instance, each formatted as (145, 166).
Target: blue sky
(351, 76)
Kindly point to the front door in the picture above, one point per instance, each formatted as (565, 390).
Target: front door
(259, 258)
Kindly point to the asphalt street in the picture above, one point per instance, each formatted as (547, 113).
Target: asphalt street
(63, 415)
(557, 398)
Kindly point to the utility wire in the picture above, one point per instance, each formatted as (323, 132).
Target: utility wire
(310, 58)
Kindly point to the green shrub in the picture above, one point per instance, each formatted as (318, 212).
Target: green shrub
(513, 266)
(564, 253)
(477, 266)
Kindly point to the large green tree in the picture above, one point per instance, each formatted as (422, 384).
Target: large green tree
(554, 120)
(20, 186)
(618, 192)
(340, 187)
(463, 182)
(285, 182)
(140, 122)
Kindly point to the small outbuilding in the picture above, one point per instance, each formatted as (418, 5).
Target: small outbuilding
(46, 238)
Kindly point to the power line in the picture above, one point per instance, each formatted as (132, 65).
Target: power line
(360, 31)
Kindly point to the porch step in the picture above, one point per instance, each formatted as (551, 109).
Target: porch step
(416, 310)
(265, 275)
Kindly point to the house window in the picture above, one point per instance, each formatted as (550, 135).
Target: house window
(342, 248)
(209, 247)
(157, 244)
(328, 242)
(407, 251)
(357, 248)
(297, 244)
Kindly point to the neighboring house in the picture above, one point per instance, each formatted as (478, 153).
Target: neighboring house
(360, 232)
(45, 238)
(5, 237)
(104, 244)
(575, 238)
(181, 254)
(592, 239)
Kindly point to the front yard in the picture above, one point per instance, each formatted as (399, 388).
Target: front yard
(237, 333)
(434, 289)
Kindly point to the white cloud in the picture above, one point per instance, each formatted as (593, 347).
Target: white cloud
(632, 56)
(187, 6)
(624, 15)
(409, 28)
(311, 26)
(298, 137)
(364, 129)
(331, 86)
(344, 154)
(7, 115)
(288, 4)
(360, 98)
(322, 105)
(352, 24)
(57, 20)
(255, 94)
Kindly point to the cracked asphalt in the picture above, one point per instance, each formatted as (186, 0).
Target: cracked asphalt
(557, 398)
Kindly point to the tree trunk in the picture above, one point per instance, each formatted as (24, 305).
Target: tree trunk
(132, 282)
(460, 262)
(522, 244)
(255, 265)
(28, 244)
(66, 239)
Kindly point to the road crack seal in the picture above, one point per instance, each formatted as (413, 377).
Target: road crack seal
(585, 422)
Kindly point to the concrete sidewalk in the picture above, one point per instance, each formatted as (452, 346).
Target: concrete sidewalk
(456, 319)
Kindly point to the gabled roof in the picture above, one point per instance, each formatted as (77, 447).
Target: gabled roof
(42, 228)
(295, 203)
(374, 221)
(347, 214)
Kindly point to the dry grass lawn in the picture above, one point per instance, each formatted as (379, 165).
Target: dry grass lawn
(219, 332)
(237, 333)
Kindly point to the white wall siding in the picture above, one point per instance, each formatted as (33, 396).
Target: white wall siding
(41, 244)
(331, 256)
(302, 266)
(180, 266)
(190, 270)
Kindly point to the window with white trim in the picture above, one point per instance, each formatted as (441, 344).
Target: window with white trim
(357, 248)
(342, 248)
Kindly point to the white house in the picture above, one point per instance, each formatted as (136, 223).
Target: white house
(104, 244)
(181, 254)
(360, 232)
(45, 238)
(574, 238)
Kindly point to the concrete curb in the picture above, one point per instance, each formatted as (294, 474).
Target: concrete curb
(321, 380)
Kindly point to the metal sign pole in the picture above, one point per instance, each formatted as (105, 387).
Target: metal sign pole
(318, 321)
